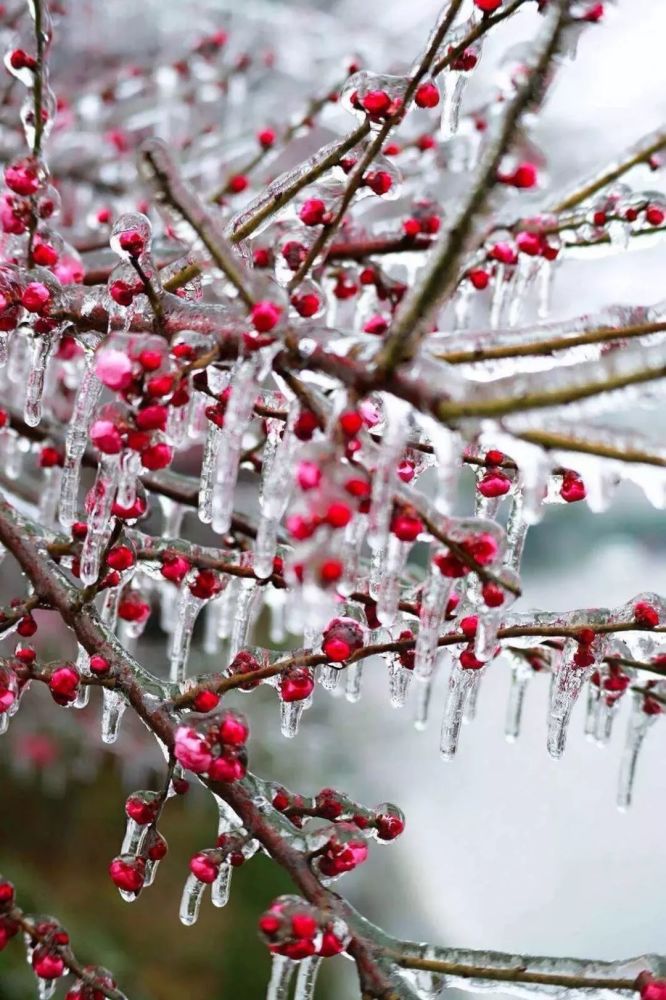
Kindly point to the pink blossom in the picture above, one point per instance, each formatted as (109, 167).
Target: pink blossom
(113, 369)
(191, 750)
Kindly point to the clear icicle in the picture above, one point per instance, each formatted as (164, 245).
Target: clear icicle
(32, 409)
(385, 475)
(236, 418)
(49, 496)
(306, 980)
(282, 972)
(276, 489)
(461, 684)
(99, 517)
(639, 723)
(190, 902)
(422, 687)
(500, 288)
(399, 678)
(221, 886)
(388, 593)
(246, 603)
(433, 608)
(82, 661)
(521, 672)
(187, 611)
(208, 471)
(77, 438)
(290, 717)
(353, 680)
(516, 533)
(113, 708)
(568, 682)
(453, 87)
(489, 619)
(46, 988)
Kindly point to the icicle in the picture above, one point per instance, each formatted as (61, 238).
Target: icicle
(521, 672)
(276, 600)
(130, 468)
(640, 721)
(568, 682)
(461, 684)
(221, 886)
(516, 533)
(399, 678)
(83, 696)
(452, 85)
(306, 980)
(99, 517)
(388, 593)
(329, 676)
(187, 611)
(423, 691)
(208, 472)
(190, 902)
(277, 482)
(436, 591)
(49, 496)
(46, 988)
(490, 618)
(113, 708)
(173, 513)
(77, 438)
(500, 288)
(385, 475)
(353, 679)
(236, 417)
(211, 639)
(248, 596)
(282, 971)
(290, 717)
(525, 275)
(41, 349)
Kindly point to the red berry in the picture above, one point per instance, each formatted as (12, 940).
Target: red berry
(64, 684)
(128, 873)
(646, 614)
(341, 638)
(427, 95)
(297, 684)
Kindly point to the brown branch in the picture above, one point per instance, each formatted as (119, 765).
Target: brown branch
(441, 272)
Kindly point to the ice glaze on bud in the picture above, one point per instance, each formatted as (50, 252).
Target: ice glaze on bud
(265, 316)
(128, 872)
(341, 638)
(296, 684)
(64, 684)
(204, 867)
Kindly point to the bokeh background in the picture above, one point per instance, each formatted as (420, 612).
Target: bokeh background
(504, 848)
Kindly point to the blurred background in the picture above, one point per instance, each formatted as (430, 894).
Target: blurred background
(504, 848)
